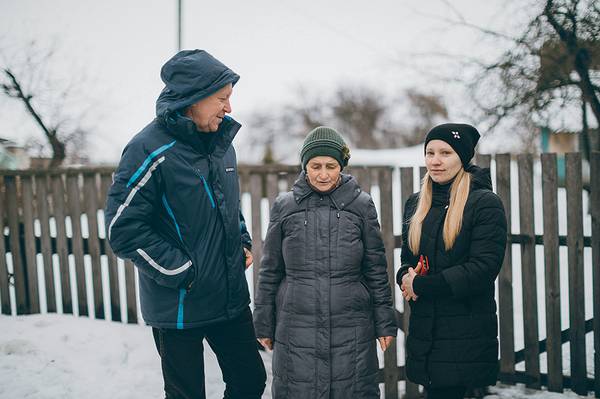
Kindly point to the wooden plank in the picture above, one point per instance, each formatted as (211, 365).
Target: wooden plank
(256, 196)
(595, 212)
(74, 206)
(4, 283)
(363, 177)
(528, 271)
(483, 160)
(130, 292)
(29, 244)
(390, 372)
(243, 182)
(19, 273)
(574, 188)
(406, 189)
(291, 179)
(41, 199)
(272, 187)
(58, 196)
(505, 292)
(422, 172)
(552, 274)
(91, 210)
(113, 267)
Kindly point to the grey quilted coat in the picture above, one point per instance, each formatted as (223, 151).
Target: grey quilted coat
(323, 293)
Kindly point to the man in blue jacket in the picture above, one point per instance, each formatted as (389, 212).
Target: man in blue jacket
(173, 209)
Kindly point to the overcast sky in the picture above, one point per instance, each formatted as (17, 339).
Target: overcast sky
(117, 48)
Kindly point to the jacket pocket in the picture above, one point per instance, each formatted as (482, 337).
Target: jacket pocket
(366, 291)
(280, 298)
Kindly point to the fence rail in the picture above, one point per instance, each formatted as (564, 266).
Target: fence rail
(54, 244)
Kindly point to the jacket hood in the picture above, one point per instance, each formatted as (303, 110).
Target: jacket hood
(190, 76)
(480, 177)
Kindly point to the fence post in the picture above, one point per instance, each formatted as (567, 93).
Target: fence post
(43, 216)
(29, 243)
(19, 273)
(74, 207)
(390, 357)
(576, 288)
(4, 284)
(58, 195)
(406, 190)
(551, 256)
(130, 292)
(595, 211)
(505, 291)
(528, 271)
(256, 197)
(113, 265)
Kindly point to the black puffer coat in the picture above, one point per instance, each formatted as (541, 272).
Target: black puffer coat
(452, 339)
(323, 293)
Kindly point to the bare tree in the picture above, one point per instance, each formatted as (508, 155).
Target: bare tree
(551, 69)
(362, 114)
(50, 103)
(367, 118)
(428, 110)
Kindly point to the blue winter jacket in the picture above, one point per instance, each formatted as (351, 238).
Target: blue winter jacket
(173, 208)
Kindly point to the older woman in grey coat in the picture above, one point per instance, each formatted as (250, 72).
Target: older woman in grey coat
(323, 296)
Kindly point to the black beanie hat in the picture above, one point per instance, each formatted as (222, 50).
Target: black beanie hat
(462, 138)
(324, 141)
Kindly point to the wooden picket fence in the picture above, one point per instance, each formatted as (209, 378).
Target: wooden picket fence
(51, 219)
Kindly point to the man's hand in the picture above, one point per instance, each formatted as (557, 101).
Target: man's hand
(385, 342)
(407, 285)
(249, 259)
(267, 343)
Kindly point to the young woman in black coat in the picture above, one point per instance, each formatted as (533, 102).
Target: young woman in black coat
(454, 237)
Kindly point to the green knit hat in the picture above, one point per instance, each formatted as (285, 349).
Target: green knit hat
(324, 141)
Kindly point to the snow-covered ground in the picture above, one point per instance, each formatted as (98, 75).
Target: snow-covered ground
(55, 356)
(51, 356)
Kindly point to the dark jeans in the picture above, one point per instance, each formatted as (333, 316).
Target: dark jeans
(234, 343)
(446, 392)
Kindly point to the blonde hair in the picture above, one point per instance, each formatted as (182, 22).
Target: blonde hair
(459, 192)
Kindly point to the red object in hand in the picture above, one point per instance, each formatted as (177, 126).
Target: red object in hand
(423, 266)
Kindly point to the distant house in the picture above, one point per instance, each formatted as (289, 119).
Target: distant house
(562, 142)
(12, 155)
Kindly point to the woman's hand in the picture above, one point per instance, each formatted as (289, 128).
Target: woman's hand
(266, 343)
(249, 259)
(385, 342)
(407, 285)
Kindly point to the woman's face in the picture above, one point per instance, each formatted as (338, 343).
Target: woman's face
(323, 173)
(442, 162)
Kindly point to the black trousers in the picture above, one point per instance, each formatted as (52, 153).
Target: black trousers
(446, 392)
(234, 343)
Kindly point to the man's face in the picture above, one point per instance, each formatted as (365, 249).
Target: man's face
(208, 113)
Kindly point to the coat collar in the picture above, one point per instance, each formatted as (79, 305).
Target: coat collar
(184, 129)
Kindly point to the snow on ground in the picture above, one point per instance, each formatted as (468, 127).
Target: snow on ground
(59, 356)
(53, 356)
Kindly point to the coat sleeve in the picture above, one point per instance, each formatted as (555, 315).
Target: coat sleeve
(246, 239)
(407, 258)
(272, 272)
(486, 253)
(132, 204)
(374, 269)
